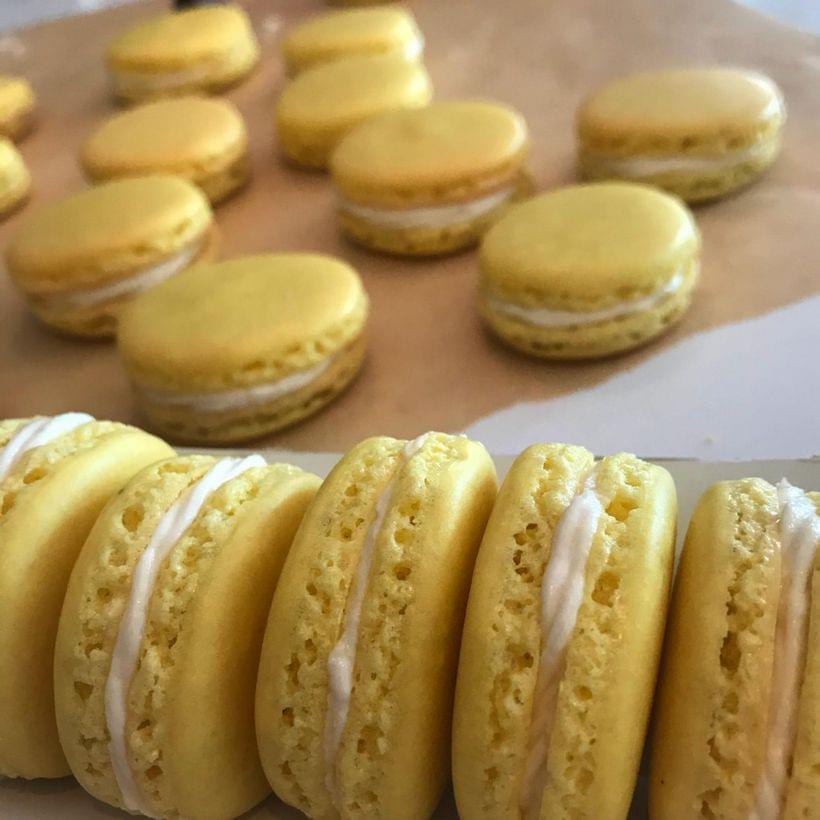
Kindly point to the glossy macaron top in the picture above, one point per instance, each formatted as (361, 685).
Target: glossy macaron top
(242, 322)
(587, 246)
(16, 102)
(686, 109)
(349, 32)
(183, 134)
(445, 152)
(334, 95)
(106, 231)
(176, 39)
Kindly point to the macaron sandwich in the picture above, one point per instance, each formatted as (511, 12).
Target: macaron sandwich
(698, 133)
(17, 105)
(737, 730)
(15, 180)
(588, 270)
(201, 139)
(563, 636)
(160, 634)
(56, 474)
(356, 678)
(201, 49)
(77, 261)
(352, 32)
(431, 180)
(229, 351)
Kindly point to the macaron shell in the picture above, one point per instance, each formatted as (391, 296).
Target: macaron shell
(803, 793)
(176, 40)
(88, 631)
(502, 636)
(107, 231)
(49, 505)
(17, 102)
(396, 739)
(586, 247)
(305, 621)
(691, 110)
(15, 180)
(447, 152)
(604, 338)
(605, 695)
(201, 139)
(713, 695)
(322, 104)
(182, 424)
(336, 35)
(242, 322)
(213, 594)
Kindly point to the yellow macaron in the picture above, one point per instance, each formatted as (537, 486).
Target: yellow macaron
(588, 270)
(737, 731)
(161, 630)
(17, 104)
(335, 35)
(432, 180)
(80, 259)
(231, 351)
(563, 636)
(698, 133)
(353, 703)
(15, 180)
(202, 49)
(56, 474)
(201, 139)
(323, 103)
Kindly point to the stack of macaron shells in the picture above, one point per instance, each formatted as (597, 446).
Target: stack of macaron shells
(231, 351)
(80, 259)
(360, 648)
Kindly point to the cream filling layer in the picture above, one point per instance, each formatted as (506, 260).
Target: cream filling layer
(547, 317)
(35, 434)
(125, 656)
(342, 658)
(649, 166)
(799, 541)
(242, 397)
(562, 590)
(137, 282)
(439, 216)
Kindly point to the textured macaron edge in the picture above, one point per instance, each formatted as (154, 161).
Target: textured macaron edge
(394, 755)
(305, 620)
(48, 505)
(501, 641)
(713, 695)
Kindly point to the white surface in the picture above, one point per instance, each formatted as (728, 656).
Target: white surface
(65, 800)
(703, 398)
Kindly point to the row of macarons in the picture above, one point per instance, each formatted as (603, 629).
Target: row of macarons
(183, 633)
(220, 352)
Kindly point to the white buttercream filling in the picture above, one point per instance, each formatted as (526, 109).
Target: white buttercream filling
(562, 589)
(35, 434)
(342, 657)
(439, 216)
(137, 282)
(648, 166)
(547, 317)
(242, 397)
(799, 541)
(125, 656)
